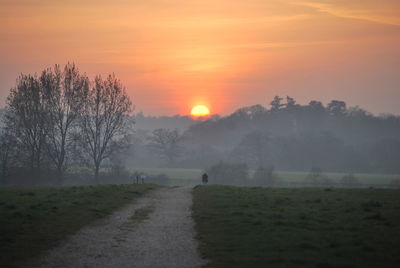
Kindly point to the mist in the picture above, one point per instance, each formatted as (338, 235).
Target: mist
(259, 145)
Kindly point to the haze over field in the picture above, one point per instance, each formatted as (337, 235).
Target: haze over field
(172, 55)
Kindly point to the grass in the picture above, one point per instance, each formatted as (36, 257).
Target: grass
(259, 227)
(378, 179)
(35, 219)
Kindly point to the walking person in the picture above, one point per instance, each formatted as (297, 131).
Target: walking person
(142, 177)
(204, 178)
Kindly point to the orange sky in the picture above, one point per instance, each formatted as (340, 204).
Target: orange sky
(226, 54)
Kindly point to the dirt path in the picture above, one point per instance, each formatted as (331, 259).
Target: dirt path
(155, 231)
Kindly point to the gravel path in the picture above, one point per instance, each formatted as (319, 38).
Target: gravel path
(154, 231)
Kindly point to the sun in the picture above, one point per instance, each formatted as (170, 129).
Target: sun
(200, 111)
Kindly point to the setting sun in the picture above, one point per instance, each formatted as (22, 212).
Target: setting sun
(200, 111)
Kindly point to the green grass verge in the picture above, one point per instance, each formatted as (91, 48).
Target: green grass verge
(377, 179)
(259, 227)
(35, 219)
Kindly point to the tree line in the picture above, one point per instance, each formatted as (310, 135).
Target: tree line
(290, 136)
(286, 135)
(59, 121)
(61, 118)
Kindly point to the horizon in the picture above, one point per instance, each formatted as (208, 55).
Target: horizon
(349, 105)
(266, 105)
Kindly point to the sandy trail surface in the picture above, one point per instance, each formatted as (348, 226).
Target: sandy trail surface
(156, 230)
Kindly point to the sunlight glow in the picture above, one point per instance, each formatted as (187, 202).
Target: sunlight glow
(200, 111)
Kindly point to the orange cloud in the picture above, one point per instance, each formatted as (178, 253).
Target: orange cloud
(372, 13)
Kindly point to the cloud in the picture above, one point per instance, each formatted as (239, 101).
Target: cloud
(367, 14)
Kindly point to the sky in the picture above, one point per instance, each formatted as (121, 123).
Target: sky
(172, 55)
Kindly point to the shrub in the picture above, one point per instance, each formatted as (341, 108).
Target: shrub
(227, 173)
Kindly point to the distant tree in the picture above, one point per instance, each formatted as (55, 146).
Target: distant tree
(104, 120)
(65, 92)
(336, 108)
(357, 112)
(26, 117)
(265, 176)
(276, 103)
(253, 148)
(349, 180)
(250, 112)
(7, 150)
(166, 143)
(199, 155)
(291, 107)
(78, 156)
(117, 163)
(314, 176)
(316, 106)
(290, 102)
(385, 154)
(228, 173)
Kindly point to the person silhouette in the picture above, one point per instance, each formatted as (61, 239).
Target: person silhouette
(143, 177)
(204, 178)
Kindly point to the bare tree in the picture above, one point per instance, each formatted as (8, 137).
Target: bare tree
(65, 91)
(104, 120)
(166, 143)
(7, 144)
(26, 117)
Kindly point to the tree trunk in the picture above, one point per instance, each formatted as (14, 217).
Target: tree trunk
(60, 175)
(61, 160)
(4, 168)
(3, 177)
(96, 173)
(36, 164)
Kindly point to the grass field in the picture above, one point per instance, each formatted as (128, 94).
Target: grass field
(259, 227)
(192, 177)
(35, 219)
(378, 179)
